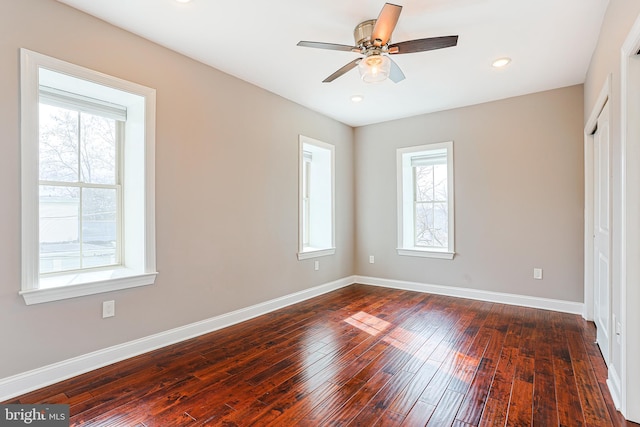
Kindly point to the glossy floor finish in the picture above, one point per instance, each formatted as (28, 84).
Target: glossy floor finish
(361, 356)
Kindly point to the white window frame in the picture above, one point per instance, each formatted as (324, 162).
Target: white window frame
(138, 263)
(317, 222)
(406, 191)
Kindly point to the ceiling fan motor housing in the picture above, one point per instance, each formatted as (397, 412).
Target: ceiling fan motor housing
(362, 33)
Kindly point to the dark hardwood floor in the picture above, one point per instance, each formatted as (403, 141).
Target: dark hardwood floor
(362, 356)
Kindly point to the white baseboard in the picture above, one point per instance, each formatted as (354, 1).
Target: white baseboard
(41, 377)
(499, 297)
(50, 374)
(613, 383)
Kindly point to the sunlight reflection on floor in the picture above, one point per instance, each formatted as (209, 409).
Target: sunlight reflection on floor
(415, 344)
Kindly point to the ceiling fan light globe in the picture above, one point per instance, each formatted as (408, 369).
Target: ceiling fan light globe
(374, 68)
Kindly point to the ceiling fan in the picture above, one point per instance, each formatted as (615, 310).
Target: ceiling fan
(372, 41)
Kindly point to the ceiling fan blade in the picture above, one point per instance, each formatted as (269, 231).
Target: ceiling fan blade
(422, 45)
(395, 75)
(330, 46)
(351, 65)
(385, 24)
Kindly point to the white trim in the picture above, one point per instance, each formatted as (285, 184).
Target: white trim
(405, 197)
(38, 296)
(618, 389)
(627, 389)
(477, 294)
(47, 375)
(613, 384)
(425, 253)
(320, 248)
(315, 253)
(29, 63)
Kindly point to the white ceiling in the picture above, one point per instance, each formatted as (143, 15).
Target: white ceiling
(550, 43)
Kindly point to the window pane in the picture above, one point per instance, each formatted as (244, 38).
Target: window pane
(98, 151)
(99, 227)
(424, 224)
(431, 225)
(58, 148)
(440, 182)
(424, 183)
(440, 225)
(59, 229)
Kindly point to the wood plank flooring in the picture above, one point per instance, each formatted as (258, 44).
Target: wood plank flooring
(359, 356)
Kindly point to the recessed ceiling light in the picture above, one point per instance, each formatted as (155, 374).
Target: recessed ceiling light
(357, 98)
(183, 1)
(501, 62)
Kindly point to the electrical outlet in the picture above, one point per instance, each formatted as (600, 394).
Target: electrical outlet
(316, 265)
(371, 259)
(108, 309)
(537, 273)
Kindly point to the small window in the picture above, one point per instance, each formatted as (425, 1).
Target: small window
(84, 135)
(425, 201)
(316, 210)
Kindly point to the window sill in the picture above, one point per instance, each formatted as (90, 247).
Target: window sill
(315, 253)
(425, 253)
(66, 286)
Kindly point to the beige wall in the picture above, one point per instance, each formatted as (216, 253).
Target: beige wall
(226, 180)
(518, 196)
(606, 62)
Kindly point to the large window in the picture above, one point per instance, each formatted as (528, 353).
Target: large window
(425, 201)
(80, 201)
(316, 183)
(87, 181)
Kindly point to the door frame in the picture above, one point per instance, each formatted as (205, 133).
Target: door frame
(629, 389)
